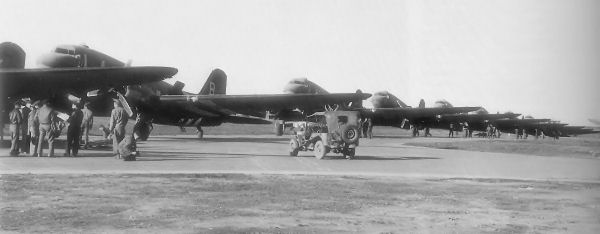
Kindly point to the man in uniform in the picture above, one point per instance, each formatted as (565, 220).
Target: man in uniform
(118, 120)
(33, 128)
(451, 132)
(369, 128)
(427, 132)
(1, 124)
(15, 121)
(25, 137)
(46, 117)
(74, 131)
(86, 124)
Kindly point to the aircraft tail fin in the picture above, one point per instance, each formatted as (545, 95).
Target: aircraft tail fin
(11, 55)
(215, 84)
(422, 103)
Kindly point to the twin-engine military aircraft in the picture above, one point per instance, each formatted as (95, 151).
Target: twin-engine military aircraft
(70, 72)
(298, 101)
(388, 110)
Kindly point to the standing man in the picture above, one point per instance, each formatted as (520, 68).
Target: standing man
(74, 131)
(118, 120)
(46, 117)
(33, 128)
(451, 132)
(361, 129)
(1, 123)
(86, 124)
(370, 128)
(25, 137)
(427, 132)
(15, 121)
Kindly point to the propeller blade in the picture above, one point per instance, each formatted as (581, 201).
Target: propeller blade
(125, 104)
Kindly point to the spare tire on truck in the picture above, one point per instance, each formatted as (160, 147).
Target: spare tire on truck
(349, 134)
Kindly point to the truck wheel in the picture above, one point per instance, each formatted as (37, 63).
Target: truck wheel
(350, 152)
(320, 150)
(294, 147)
(349, 134)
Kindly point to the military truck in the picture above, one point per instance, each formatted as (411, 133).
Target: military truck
(330, 131)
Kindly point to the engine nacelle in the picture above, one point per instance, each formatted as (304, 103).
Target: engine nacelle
(384, 99)
(11, 56)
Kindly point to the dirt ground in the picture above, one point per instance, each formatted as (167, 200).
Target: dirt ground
(229, 203)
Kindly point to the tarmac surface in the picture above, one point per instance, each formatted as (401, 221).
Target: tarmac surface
(267, 154)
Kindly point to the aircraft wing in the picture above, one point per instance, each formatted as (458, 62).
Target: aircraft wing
(417, 113)
(242, 119)
(38, 82)
(257, 105)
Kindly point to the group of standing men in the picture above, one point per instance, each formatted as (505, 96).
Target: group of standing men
(366, 128)
(31, 124)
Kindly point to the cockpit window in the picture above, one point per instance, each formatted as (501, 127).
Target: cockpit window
(342, 119)
(64, 51)
(61, 51)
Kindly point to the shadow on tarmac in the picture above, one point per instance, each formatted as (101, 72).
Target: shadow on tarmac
(167, 156)
(233, 139)
(361, 157)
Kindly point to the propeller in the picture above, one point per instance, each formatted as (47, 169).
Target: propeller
(125, 104)
(123, 101)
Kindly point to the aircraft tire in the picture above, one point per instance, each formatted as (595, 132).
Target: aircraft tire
(142, 131)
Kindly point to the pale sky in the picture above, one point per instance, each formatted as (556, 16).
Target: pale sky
(536, 57)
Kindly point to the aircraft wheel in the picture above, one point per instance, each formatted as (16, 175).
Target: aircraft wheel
(294, 147)
(141, 131)
(320, 150)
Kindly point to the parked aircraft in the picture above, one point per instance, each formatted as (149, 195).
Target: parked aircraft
(153, 106)
(71, 72)
(476, 120)
(299, 100)
(388, 110)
